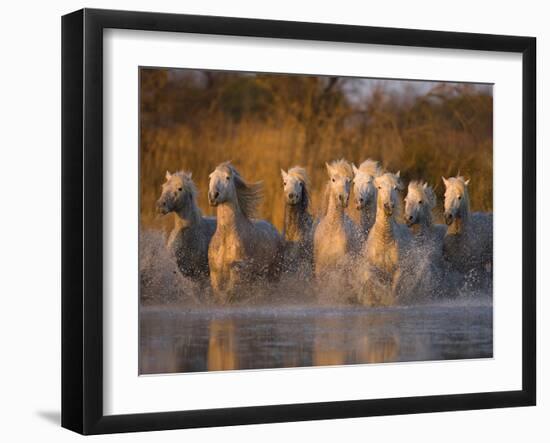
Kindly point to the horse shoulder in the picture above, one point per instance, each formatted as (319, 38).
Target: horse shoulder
(438, 237)
(439, 232)
(267, 229)
(209, 225)
(482, 223)
(320, 231)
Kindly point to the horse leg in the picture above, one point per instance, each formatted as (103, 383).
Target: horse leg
(216, 282)
(395, 286)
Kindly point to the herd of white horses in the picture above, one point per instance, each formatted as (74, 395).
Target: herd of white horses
(375, 261)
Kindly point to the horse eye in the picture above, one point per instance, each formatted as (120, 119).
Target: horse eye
(333, 180)
(180, 189)
(284, 183)
(420, 202)
(460, 197)
(379, 187)
(227, 178)
(301, 184)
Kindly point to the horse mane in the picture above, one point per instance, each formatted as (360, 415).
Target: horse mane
(249, 195)
(370, 167)
(301, 174)
(342, 167)
(324, 203)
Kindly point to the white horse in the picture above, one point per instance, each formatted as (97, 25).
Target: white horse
(242, 249)
(191, 235)
(365, 193)
(468, 243)
(424, 266)
(298, 224)
(419, 204)
(336, 237)
(386, 247)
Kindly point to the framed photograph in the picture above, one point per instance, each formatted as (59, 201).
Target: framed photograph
(269, 221)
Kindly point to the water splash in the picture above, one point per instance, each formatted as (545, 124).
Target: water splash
(160, 279)
(425, 279)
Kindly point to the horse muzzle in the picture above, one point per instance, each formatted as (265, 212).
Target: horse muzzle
(292, 199)
(449, 218)
(162, 208)
(213, 198)
(343, 200)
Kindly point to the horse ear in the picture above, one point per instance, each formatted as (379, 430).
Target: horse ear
(329, 169)
(355, 170)
(283, 173)
(168, 176)
(425, 185)
(467, 182)
(445, 181)
(398, 174)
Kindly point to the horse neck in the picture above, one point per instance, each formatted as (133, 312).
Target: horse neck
(424, 227)
(460, 224)
(297, 220)
(335, 212)
(368, 217)
(384, 227)
(188, 216)
(230, 216)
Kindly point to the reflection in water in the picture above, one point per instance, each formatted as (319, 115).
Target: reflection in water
(173, 340)
(222, 352)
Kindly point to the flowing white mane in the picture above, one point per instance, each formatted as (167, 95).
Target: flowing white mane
(342, 167)
(249, 195)
(370, 167)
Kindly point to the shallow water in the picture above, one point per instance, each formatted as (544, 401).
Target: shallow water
(176, 339)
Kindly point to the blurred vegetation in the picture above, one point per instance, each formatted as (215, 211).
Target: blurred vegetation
(194, 120)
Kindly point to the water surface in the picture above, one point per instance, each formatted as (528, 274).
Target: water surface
(176, 339)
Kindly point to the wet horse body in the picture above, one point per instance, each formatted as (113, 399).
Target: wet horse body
(365, 194)
(189, 239)
(188, 242)
(336, 238)
(243, 250)
(468, 242)
(298, 224)
(385, 250)
(424, 268)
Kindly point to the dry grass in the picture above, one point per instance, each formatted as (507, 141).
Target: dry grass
(194, 120)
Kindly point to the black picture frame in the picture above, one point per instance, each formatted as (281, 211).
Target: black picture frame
(82, 220)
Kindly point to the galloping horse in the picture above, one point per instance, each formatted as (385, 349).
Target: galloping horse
(242, 249)
(365, 193)
(191, 235)
(386, 246)
(468, 243)
(298, 224)
(336, 237)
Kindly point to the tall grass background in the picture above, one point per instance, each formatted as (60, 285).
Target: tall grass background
(194, 120)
